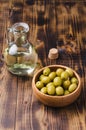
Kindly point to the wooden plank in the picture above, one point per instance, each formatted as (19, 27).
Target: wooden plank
(8, 82)
(24, 105)
(8, 95)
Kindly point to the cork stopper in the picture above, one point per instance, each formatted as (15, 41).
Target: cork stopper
(53, 53)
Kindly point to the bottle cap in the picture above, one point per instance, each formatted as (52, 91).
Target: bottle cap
(53, 53)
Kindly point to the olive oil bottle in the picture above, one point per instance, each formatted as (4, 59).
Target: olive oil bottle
(20, 55)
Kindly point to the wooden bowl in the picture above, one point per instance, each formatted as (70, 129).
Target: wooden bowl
(55, 101)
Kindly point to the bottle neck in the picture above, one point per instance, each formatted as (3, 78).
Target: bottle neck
(18, 34)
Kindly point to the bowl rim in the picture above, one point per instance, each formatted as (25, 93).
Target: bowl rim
(56, 96)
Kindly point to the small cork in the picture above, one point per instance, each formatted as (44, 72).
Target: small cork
(53, 53)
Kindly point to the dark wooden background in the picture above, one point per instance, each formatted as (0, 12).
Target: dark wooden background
(56, 23)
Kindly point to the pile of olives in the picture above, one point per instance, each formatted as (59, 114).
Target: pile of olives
(59, 82)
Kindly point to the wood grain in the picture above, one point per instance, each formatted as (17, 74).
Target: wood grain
(60, 24)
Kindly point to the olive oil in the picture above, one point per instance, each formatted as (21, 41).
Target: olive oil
(22, 63)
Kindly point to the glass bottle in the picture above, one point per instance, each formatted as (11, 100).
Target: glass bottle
(20, 55)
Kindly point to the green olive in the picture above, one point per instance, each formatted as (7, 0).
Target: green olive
(64, 75)
(39, 84)
(45, 79)
(41, 76)
(59, 71)
(72, 87)
(44, 90)
(51, 90)
(46, 71)
(70, 71)
(57, 81)
(66, 92)
(50, 83)
(59, 91)
(52, 75)
(74, 80)
(66, 84)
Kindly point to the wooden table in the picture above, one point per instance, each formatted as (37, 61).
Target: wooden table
(56, 24)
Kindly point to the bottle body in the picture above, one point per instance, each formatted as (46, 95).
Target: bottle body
(20, 55)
